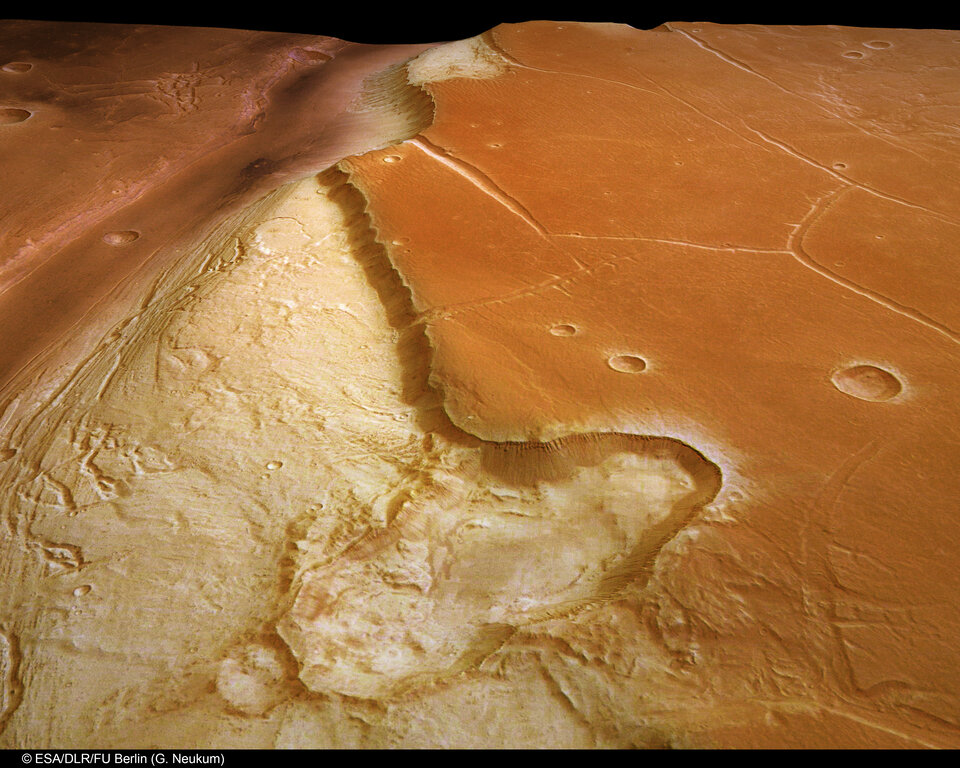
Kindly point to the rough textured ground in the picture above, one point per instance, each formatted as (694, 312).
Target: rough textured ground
(569, 386)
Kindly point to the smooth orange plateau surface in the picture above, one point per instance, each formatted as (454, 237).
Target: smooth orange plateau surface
(741, 239)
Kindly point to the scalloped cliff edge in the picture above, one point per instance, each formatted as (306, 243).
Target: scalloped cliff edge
(572, 385)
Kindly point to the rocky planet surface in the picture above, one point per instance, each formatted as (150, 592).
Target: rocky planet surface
(571, 385)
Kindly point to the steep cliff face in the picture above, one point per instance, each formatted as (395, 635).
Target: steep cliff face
(571, 385)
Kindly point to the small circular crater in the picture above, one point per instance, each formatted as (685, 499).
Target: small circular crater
(867, 382)
(82, 590)
(564, 329)
(392, 159)
(271, 465)
(878, 44)
(17, 67)
(11, 115)
(627, 363)
(121, 237)
(853, 55)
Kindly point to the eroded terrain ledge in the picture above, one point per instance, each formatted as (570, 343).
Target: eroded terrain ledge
(572, 385)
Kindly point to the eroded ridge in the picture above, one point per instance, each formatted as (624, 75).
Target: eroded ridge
(10, 686)
(401, 108)
(481, 538)
(261, 443)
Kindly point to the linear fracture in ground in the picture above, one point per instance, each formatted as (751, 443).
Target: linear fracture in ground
(572, 386)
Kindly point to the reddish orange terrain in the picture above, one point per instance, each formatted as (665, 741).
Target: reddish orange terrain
(572, 385)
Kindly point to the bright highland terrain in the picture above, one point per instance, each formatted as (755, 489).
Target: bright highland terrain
(568, 386)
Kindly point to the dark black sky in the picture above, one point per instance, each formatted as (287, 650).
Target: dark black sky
(406, 21)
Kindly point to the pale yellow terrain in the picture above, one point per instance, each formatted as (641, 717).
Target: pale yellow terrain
(271, 521)
(570, 386)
